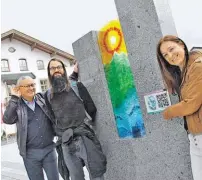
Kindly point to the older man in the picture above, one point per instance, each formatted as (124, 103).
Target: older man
(34, 130)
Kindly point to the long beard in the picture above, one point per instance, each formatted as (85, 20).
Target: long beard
(59, 83)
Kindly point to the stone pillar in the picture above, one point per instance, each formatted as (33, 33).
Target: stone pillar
(163, 153)
(120, 153)
(165, 17)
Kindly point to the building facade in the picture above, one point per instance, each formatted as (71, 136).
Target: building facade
(25, 55)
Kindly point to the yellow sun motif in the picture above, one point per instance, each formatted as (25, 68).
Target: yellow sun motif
(111, 40)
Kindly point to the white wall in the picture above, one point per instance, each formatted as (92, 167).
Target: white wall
(4, 92)
(24, 51)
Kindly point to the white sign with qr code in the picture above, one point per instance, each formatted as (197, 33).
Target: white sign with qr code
(157, 101)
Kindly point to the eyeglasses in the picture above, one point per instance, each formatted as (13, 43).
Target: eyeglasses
(54, 68)
(29, 85)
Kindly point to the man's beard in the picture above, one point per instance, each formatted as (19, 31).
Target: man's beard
(59, 83)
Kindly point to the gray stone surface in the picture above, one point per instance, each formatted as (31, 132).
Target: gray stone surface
(118, 151)
(165, 17)
(164, 152)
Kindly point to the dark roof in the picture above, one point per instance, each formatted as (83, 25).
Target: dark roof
(196, 48)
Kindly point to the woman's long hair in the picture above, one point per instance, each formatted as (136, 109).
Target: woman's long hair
(172, 75)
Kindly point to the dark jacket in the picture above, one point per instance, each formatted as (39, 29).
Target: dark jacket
(85, 96)
(74, 76)
(16, 112)
(96, 159)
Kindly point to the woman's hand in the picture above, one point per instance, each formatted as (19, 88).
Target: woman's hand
(166, 114)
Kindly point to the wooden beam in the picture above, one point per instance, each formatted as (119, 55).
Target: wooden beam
(33, 46)
(11, 37)
(14, 34)
(53, 54)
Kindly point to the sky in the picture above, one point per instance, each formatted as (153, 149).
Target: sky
(187, 15)
(62, 22)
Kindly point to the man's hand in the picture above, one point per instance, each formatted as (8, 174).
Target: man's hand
(76, 69)
(15, 91)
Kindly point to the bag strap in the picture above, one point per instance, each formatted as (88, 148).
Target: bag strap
(47, 100)
(76, 91)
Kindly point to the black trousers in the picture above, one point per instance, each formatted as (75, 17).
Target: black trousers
(74, 160)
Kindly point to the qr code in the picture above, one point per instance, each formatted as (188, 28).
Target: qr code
(162, 100)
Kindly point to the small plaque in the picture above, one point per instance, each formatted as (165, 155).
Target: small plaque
(157, 101)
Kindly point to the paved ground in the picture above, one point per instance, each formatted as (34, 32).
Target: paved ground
(12, 167)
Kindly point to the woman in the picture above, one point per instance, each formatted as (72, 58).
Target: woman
(182, 72)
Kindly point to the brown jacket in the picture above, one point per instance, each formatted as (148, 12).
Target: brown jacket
(191, 96)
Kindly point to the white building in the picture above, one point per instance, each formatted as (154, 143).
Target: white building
(25, 55)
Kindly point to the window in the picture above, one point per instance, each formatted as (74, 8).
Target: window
(40, 65)
(4, 65)
(23, 65)
(44, 85)
(11, 49)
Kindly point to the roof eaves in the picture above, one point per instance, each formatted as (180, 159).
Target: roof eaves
(40, 43)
